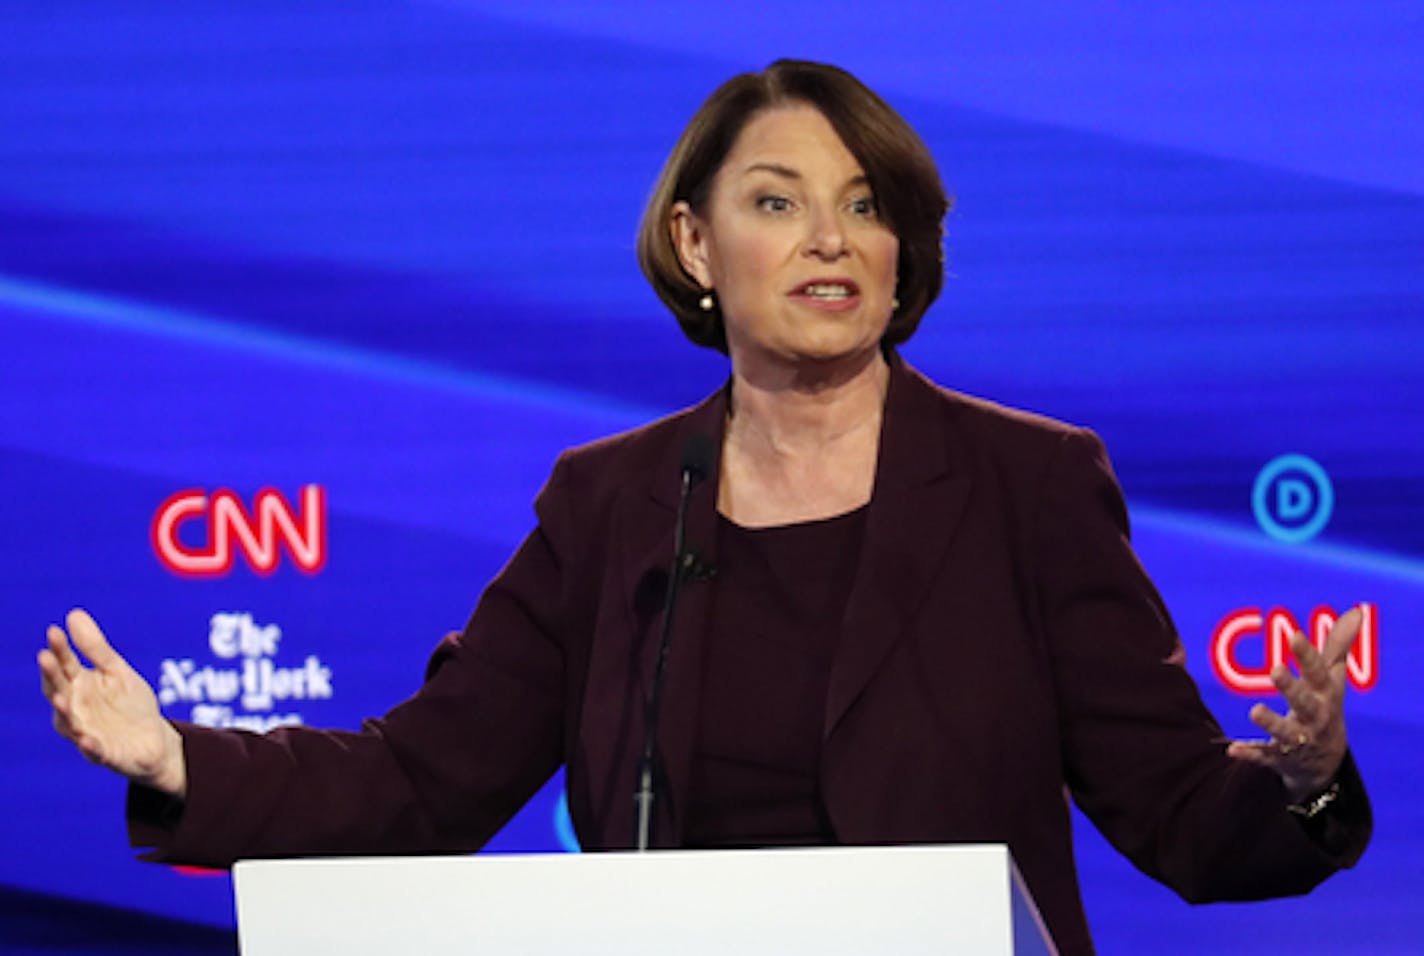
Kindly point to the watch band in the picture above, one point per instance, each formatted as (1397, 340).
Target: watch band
(1309, 809)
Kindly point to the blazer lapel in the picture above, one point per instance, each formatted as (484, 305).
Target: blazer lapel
(920, 494)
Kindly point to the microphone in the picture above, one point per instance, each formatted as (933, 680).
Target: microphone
(698, 453)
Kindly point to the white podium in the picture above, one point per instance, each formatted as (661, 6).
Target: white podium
(817, 901)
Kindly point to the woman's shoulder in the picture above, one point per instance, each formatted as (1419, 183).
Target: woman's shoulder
(648, 454)
(989, 424)
(1022, 455)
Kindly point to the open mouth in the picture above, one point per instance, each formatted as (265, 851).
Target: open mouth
(828, 290)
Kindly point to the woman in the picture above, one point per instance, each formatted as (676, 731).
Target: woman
(925, 621)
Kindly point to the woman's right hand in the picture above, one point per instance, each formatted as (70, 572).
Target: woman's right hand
(108, 710)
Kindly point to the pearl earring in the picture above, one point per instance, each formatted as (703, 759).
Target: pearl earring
(707, 303)
(894, 305)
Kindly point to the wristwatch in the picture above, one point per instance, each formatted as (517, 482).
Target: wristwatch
(1311, 808)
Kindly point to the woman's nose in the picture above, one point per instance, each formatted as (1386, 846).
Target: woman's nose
(826, 237)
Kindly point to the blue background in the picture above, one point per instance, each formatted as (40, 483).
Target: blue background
(388, 248)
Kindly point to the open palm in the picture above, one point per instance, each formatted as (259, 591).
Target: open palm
(107, 709)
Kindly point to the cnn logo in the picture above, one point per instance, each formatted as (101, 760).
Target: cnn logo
(1271, 632)
(229, 529)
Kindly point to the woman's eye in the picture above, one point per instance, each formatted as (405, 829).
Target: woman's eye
(773, 203)
(864, 206)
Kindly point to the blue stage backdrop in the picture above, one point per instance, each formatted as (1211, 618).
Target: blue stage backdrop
(298, 303)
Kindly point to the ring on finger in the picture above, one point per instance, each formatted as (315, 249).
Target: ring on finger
(1301, 740)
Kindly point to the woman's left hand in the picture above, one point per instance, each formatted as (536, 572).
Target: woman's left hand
(1308, 743)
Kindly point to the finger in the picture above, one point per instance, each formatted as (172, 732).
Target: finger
(1261, 752)
(90, 747)
(63, 719)
(63, 652)
(1313, 669)
(63, 725)
(91, 642)
(52, 676)
(1342, 636)
(1272, 722)
(1304, 702)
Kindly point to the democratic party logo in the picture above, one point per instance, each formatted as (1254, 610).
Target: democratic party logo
(1292, 498)
(242, 684)
(1249, 642)
(197, 534)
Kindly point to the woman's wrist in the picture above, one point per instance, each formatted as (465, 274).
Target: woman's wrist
(1314, 805)
(172, 775)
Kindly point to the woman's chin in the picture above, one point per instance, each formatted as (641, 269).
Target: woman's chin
(834, 351)
(808, 355)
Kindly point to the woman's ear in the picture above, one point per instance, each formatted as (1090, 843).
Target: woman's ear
(689, 238)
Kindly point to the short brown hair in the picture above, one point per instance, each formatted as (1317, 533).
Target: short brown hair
(902, 174)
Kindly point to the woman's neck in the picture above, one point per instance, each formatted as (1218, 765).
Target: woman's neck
(802, 409)
(803, 447)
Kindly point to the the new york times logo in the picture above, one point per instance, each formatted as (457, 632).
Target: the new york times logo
(247, 689)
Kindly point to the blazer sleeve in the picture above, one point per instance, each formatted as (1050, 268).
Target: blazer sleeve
(1142, 756)
(441, 772)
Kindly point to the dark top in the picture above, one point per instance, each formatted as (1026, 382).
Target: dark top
(776, 621)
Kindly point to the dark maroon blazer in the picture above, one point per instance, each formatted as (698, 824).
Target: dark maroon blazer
(1002, 648)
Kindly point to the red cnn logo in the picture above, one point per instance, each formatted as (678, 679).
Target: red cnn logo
(231, 528)
(1274, 629)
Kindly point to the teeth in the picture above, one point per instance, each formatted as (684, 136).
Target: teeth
(834, 291)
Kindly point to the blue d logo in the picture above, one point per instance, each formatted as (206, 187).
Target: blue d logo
(1292, 498)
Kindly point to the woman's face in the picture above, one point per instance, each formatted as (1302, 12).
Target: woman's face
(791, 244)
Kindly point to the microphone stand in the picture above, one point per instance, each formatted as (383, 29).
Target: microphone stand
(696, 463)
